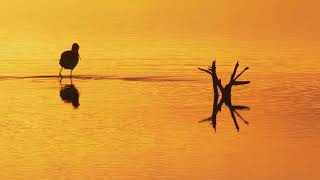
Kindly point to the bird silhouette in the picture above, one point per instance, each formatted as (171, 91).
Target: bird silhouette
(69, 59)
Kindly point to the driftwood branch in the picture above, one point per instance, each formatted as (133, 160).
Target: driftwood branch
(226, 94)
(241, 73)
(215, 80)
(234, 71)
(236, 83)
(207, 71)
(226, 90)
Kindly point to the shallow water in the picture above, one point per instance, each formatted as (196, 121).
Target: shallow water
(140, 103)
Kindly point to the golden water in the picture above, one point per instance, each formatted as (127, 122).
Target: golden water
(142, 97)
(140, 104)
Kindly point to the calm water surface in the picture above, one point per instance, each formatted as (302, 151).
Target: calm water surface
(141, 100)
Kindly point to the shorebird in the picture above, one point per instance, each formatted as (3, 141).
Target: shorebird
(69, 59)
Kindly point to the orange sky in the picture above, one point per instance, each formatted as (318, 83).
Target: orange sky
(238, 17)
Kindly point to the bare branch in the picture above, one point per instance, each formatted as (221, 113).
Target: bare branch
(213, 66)
(241, 73)
(220, 85)
(207, 71)
(234, 71)
(226, 95)
(236, 83)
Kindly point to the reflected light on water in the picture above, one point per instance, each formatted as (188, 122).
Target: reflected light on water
(132, 108)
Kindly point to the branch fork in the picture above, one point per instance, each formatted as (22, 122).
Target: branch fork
(226, 94)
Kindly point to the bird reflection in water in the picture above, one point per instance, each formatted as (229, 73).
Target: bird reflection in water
(70, 94)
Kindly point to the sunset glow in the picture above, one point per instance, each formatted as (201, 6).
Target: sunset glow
(136, 106)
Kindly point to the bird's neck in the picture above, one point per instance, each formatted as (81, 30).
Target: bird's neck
(76, 53)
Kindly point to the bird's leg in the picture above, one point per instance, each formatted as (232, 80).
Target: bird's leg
(71, 73)
(60, 72)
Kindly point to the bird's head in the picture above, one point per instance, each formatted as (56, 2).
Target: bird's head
(75, 47)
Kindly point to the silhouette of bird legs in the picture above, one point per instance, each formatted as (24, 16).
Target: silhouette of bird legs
(61, 77)
(70, 76)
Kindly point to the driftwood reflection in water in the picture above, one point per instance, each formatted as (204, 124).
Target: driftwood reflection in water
(226, 95)
(70, 94)
(234, 111)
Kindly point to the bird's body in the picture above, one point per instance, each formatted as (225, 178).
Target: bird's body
(70, 59)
